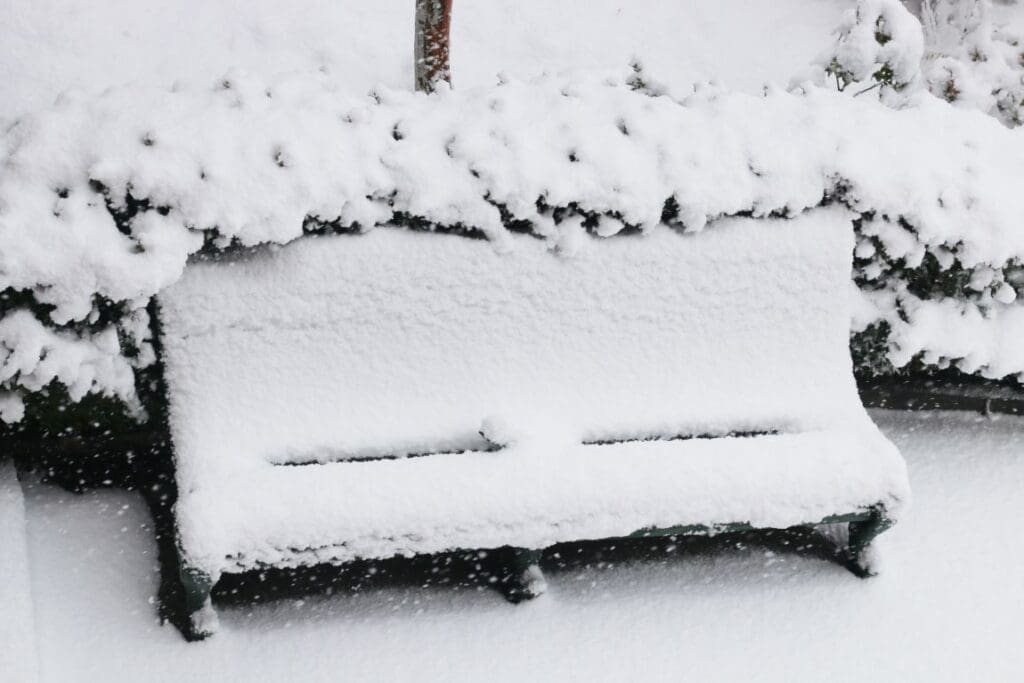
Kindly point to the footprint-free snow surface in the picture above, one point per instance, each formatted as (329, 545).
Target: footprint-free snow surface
(946, 606)
(17, 631)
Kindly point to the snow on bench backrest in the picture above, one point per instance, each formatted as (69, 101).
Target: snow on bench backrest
(398, 342)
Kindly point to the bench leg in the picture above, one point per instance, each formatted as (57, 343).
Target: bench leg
(858, 546)
(201, 618)
(519, 574)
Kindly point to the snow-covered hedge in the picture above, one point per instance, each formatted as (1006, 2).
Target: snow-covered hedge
(956, 52)
(972, 62)
(879, 43)
(102, 200)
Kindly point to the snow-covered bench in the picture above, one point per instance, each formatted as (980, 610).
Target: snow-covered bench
(665, 383)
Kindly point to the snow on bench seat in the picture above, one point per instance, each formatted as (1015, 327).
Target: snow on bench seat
(396, 342)
(535, 496)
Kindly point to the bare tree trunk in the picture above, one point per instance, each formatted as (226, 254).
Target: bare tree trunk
(433, 29)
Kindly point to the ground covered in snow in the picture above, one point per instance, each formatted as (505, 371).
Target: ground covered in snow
(17, 644)
(946, 607)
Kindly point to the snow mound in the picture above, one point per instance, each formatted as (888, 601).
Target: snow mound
(551, 397)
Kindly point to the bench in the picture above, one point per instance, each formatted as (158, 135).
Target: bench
(401, 392)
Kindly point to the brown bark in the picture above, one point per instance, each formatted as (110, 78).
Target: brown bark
(431, 49)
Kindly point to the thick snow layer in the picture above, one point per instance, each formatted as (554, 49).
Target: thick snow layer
(948, 328)
(532, 497)
(17, 624)
(103, 199)
(396, 342)
(946, 606)
(251, 161)
(33, 355)
(408, 341)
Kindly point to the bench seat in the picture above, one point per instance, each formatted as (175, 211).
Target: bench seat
(535, 496)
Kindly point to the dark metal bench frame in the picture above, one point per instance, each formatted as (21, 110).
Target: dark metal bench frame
(521, 578)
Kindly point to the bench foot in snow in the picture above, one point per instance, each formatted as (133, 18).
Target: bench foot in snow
(519, 574)
(858, 548)
(201, 619)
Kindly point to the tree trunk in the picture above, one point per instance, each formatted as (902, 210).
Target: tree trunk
(430, 58)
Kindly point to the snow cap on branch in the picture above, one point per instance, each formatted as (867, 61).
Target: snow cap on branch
(879, 44)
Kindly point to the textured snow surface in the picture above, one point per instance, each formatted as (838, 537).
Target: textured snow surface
(37, 355)
(955, 329)
(946, 606)
(103, 199)
(396, 342)
(859, 55)
(533, 497)
(17, 623)
(250, 161)
(974, 56)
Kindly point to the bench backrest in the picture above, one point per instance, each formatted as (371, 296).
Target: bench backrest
(398, 342)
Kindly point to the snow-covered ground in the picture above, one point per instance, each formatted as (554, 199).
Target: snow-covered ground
(17, 630)
(946, 607)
